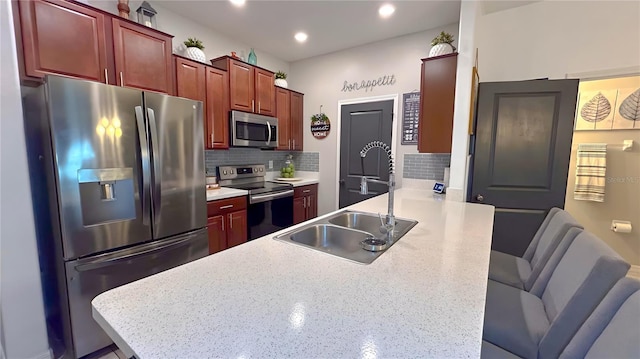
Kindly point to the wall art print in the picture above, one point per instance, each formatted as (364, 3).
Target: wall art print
(595, 110)
(627, 110)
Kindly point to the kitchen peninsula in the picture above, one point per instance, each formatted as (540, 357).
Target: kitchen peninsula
(424, 297)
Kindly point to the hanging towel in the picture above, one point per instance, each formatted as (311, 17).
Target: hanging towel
(591, 168)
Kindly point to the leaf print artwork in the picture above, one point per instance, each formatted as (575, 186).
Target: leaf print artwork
(596, 109)
(630, 106)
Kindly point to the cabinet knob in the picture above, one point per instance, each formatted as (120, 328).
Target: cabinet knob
(479, 198)
(341, 181)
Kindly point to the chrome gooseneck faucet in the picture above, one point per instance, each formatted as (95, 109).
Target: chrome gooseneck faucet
(389, 226)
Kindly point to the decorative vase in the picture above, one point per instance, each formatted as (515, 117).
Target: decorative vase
(441, 49)
(195, 54)
(281, 83)
(123, 8)
(252, 59)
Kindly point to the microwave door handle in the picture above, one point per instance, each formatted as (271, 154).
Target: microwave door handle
(157, 166)
(269, 133)
(144, 159)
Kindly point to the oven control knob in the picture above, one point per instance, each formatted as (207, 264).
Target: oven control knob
(231, 172)
(255, 169)
(262, 170)
(224, 172)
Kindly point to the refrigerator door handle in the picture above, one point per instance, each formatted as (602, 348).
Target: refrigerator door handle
(144, 158)
(143, 250)
(157, 166)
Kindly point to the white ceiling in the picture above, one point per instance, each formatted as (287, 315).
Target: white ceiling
(331, 25)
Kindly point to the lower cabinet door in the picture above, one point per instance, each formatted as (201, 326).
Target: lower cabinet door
(299, 211)
(217, 236)
(312, 206)
(237, 228)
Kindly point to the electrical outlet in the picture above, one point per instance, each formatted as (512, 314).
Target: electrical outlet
(270, 164)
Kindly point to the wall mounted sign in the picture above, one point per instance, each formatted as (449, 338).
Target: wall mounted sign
(320, 126)
(386, 80)
(410, 113)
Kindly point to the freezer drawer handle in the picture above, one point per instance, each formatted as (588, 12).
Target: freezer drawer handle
(227, 206)
(147, 249)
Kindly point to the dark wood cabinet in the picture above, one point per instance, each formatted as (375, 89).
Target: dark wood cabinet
(227, 223)
(297, 121)
(289, 113)
(251, 88)
(265, 93)
(63, 38)
(217, 234)
(207, 84)
(71, 39)
(305, 203)
(142, 57)
(437, 97)
(217, 109)
(190, 79)
(283, 113)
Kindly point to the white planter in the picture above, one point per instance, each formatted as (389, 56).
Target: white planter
(441, 49)
(195, 54)
(281, 83)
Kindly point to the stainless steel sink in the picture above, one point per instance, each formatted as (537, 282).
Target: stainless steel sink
(370, 222)
(341, 234)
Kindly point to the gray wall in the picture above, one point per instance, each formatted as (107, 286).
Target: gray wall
(303, 161)
(22, 321)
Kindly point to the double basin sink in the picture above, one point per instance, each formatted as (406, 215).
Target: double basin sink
(342, 233)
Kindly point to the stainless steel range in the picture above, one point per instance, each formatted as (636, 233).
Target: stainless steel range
(270, 203)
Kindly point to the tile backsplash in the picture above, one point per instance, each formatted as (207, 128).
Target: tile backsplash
(428, 166)
(304, 161)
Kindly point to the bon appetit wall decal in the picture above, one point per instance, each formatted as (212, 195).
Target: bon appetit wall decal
(386, 80)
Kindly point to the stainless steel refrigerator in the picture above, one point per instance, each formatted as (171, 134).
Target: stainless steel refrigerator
(118, 183)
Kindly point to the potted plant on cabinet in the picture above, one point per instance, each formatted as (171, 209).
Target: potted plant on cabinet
(194, 50)
(442, 45)
(281, 79)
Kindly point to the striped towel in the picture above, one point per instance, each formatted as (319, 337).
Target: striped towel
(591, 168)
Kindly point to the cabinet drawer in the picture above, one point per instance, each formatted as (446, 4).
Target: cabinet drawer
(305, 190)
(215, 208)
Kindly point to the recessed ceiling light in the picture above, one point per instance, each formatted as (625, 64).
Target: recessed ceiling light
(386, 10)
(238, 2)
(301, 37)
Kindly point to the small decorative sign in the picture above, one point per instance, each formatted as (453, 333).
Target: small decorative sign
(386, 80)
(320, 126)
(410, 113)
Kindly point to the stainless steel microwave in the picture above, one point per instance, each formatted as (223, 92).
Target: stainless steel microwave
(252, 130)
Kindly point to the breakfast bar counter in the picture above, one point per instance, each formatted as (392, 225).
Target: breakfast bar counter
(423, 297)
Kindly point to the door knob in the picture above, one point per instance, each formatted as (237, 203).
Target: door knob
(480, 198)
(341, 181)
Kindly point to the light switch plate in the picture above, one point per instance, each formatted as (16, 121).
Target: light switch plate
(270, 164)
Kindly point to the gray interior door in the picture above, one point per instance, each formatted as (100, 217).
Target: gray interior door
(521, 161)
(361, 124)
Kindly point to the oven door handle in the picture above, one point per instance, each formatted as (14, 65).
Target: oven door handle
(269, 197)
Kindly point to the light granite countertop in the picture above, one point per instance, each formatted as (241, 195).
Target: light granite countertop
(224, 192)
(424, 297)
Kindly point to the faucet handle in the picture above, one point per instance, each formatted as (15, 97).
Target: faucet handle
(364, 188)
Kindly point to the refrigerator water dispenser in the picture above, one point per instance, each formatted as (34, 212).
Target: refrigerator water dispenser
(106, 195)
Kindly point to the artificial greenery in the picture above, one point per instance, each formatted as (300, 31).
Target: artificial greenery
(443, 38)
(281, 75)
(319, 118)
(193, 42)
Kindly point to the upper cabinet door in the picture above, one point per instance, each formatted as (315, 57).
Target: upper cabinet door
(297, 120)
(265, 95)
(241, 86)
(283, 113)
(217, 111)
(63, 38)
(190, 78)
(143, 57)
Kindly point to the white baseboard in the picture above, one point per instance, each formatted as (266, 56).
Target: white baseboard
(44, 355)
